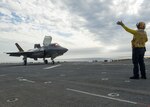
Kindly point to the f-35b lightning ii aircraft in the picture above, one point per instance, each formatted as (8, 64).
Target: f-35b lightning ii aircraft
(48, 50)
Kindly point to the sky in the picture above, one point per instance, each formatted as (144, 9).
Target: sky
(86, 27)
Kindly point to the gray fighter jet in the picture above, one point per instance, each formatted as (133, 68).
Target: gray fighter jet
(48, 50)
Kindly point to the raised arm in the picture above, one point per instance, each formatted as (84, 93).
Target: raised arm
(126, 28)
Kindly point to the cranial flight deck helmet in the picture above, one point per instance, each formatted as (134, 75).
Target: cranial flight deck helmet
(140, 25)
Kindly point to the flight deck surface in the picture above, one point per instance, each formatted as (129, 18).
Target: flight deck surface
(73, 84)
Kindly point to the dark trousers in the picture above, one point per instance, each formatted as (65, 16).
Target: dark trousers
(138, 61)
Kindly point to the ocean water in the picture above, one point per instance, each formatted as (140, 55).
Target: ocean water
(85, 59)
(7, 59)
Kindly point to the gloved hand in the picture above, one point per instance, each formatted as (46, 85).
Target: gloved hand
(120, 23)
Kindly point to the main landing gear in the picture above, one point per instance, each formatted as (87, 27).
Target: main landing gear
(25, 60)
(53, 62)
(46, 61)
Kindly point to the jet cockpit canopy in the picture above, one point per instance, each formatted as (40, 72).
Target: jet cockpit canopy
(55, 45)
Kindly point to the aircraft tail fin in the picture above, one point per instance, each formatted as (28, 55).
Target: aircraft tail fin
(19, 48)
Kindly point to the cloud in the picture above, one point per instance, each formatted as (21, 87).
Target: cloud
(86, 27)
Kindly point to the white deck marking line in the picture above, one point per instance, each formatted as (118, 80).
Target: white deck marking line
(52, 66)
(102, 96)
(12, 100)
(26, 80)
(48, 82)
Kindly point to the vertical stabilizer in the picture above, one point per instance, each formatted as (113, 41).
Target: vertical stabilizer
(47, 40)
(19, 48)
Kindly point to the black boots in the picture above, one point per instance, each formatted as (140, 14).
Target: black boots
(134, 77)
(143, 77)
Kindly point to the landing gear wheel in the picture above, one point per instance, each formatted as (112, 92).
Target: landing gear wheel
(25, 61)
(53, 62)
(46, 61)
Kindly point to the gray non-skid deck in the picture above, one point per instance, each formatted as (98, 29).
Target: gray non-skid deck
(73, 84)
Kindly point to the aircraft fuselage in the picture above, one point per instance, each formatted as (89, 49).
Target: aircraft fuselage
(47, 52)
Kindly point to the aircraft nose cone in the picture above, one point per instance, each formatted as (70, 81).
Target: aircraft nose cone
(65, 49)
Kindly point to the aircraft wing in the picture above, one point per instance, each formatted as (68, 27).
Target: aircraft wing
(18, 54)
